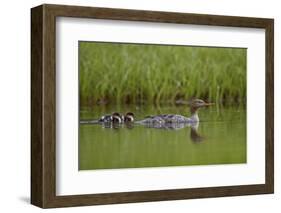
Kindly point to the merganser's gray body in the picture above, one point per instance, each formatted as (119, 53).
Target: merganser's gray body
(169, 118)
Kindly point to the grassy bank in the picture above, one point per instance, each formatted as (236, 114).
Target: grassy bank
(127, 73)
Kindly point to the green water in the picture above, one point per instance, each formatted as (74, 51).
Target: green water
(220, 138)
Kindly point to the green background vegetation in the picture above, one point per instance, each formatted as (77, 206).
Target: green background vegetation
(130, 73)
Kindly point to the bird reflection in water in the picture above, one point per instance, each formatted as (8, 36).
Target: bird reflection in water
(127, 125)
(194, 134)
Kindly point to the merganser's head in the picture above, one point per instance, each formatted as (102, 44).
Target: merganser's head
(129, 117)
(117, 117)
(195, 104)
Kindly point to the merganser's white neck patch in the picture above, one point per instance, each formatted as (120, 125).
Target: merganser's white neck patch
(194, 117)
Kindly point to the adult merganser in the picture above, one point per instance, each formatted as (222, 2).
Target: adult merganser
(195, 104)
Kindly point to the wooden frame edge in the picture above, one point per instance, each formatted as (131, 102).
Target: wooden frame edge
(269, 120)
(36, 106)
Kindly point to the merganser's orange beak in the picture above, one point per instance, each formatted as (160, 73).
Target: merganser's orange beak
(209, 104)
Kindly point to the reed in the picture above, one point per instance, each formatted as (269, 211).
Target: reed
(130, 73)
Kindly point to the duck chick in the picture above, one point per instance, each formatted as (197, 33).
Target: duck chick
(117, 118)
(105, 119)
(129, 117)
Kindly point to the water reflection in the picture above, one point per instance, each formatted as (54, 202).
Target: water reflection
(194, 134)
(219, 138)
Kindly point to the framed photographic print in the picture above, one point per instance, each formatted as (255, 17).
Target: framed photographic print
(136, 106)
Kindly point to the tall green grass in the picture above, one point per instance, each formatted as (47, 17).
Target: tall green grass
(130, 73)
